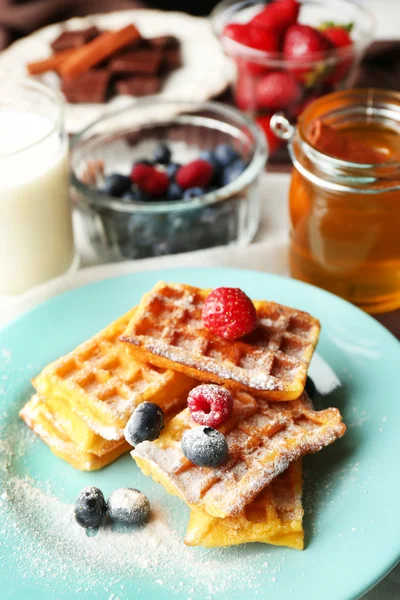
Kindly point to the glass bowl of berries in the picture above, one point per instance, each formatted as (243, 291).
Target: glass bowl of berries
(163, 177)
(289, 52)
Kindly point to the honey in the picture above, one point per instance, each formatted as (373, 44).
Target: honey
(345, 214)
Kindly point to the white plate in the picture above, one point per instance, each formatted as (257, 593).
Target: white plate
(205, 72)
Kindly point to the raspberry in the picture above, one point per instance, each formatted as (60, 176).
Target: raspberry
(210, 405)
(148, 179)
(277, 91)
(197, 173)
(229, 313)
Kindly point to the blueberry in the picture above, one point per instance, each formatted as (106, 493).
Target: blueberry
(310, 387)
(162, 154)
(172, 170)
(233, 171)
(193, 192)
(128, 506)
(141, 196)
(210, 157)
(225, 155)
(146, 230)
(174, 192)
(116, 184)
(145, 423)
(90, 507)
(204, 446)
(129, 196)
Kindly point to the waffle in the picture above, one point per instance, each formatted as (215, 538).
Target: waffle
(42, 421)
(263, 439)
(167, 330)
(102, 383)
(274, 517)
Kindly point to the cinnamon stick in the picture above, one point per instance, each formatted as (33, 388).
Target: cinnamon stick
(97, 50)
(50, 64)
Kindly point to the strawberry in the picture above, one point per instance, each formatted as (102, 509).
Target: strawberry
(245, 88)
(253, 37)
(278, 15)
(229, 313)
(277, 91)
(304, 44)
(339, 37)
(273, 141)
(148, 179)
(197, 173)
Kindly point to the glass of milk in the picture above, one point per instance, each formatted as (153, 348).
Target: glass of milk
(36, 240)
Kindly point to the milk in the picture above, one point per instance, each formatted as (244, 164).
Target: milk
(36, 241)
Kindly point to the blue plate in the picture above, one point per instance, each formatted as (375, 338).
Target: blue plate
(351, 494)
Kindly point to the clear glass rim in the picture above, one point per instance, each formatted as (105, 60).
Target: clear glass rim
(54, 95)
(367, 177)
(274, 59)
(252, 170)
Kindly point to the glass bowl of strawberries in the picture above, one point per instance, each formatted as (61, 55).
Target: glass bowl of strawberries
(289, 52)
(163, 177)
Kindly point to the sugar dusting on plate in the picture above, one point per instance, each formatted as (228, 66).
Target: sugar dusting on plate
(52, 547)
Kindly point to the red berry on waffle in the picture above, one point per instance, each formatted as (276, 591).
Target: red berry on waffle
(229, 313)
(210, 404)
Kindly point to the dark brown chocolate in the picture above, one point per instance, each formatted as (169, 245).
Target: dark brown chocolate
(164, 42)
(74, 39)
(88, 87)
(172, 59)
(138, 86)
(144, 62)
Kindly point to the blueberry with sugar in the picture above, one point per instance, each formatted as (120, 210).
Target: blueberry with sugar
(145, 423)
(116, 185)
(128, 506)
(162, 154)
(205, 446)
(90, 507)
(225, 155)
(233, 171)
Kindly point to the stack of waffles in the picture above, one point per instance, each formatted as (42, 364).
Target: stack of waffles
(158, 352)
(84, 400)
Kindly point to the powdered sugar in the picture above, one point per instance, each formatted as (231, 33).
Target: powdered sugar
(40, 541)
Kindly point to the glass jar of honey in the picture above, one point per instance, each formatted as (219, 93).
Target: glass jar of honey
(345, 196)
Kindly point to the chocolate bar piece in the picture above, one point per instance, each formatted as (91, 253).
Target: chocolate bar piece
(139, 86)
(74, 39)
(144, 62)
(163, 42)
(172, 59)
(88, 87)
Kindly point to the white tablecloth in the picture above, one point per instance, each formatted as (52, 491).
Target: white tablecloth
(267, 253)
